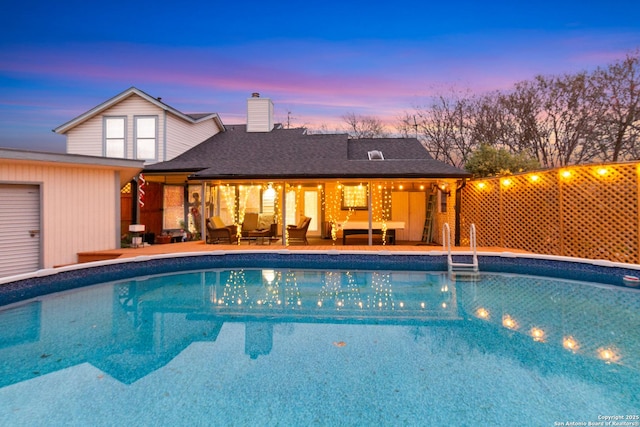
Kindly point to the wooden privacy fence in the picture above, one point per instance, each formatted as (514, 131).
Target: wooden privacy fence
(588, 211)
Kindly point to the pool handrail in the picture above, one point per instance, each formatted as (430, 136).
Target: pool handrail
(460, 267)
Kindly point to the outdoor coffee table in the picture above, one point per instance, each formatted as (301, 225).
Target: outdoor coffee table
(259, 234)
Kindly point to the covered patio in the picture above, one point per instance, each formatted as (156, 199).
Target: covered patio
(389, 189)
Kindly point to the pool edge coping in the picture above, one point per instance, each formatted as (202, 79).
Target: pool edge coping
(141, 258)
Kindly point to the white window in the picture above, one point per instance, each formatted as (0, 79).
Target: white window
(114, 136)
(145, 129)
(173, 207)
(443, 201)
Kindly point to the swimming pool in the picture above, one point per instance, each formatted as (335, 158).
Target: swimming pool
(274, 341)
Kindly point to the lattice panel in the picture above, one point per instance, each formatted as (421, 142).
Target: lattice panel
(481, 206)
(585, 211)
(599, 216)
(529, 212)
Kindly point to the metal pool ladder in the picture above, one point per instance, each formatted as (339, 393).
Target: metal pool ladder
(461, 269)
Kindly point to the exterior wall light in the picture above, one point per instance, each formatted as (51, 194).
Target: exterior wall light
(444, 187)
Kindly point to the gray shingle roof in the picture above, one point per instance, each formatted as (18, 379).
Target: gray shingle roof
(291, 153)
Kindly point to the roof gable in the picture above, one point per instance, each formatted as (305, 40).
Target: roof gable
(191, 118)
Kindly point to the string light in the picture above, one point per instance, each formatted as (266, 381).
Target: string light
(235, 289)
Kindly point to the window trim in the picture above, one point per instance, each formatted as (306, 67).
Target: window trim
(442, 201)
(136, 138)
(105, 137)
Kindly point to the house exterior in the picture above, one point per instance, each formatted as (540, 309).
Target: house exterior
(53, 206)
(263, 168)
(135, 125)
(197, 168)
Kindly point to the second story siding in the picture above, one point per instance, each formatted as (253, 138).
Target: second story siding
(88, 138)
(181, 136)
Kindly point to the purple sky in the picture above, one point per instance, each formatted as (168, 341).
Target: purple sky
(317, 60)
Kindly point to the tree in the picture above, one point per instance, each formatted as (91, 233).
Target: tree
(491, 161)
(493, 124)
(560, 120)
(364, 126)
(444, 127)
(619, 121)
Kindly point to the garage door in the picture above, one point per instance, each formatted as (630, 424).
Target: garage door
(19, 229)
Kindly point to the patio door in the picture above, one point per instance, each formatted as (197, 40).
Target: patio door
(20, 236)
(409, 207)
(312, 207)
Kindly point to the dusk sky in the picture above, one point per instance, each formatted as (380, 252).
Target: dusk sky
(317, 60)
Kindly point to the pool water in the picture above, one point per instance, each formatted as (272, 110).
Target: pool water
(312, 347)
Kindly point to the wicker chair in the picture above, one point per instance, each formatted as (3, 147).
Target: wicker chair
(217, 232)
(298, 233)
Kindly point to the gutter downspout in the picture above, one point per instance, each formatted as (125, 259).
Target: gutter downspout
(457, 212)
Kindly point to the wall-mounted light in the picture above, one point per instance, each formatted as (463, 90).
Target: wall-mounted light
(270, 193)
(443, 186)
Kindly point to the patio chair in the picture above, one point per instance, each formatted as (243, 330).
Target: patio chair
(217, 232)
(298, 233)
(250, 223)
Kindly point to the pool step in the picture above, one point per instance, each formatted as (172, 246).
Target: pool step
(461, 269)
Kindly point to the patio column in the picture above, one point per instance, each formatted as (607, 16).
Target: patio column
(283, 213)
(370, 208)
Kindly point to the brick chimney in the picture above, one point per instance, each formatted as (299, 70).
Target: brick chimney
(259, 114)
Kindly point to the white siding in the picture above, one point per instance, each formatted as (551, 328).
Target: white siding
(182, 135)
(87, 137)
(80, 209)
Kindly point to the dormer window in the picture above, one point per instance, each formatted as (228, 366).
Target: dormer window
(146, 129)
(375, 155)
(114, 136)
